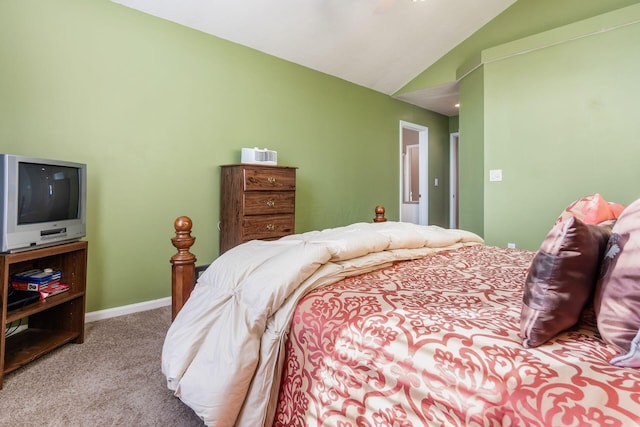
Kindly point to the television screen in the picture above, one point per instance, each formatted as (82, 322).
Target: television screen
(47, 193)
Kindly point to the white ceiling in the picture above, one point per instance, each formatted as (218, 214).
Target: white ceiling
(378, 44)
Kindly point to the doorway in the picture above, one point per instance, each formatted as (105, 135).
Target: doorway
(414, 196)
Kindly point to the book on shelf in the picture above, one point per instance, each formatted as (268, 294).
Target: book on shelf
(35, 287)
(45, 290)
(37, 275)
(53, 289)
(45, 282)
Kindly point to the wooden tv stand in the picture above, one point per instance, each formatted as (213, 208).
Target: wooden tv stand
(54, 321)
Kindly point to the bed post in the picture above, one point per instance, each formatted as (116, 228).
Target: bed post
(379, 214)
(183, 264)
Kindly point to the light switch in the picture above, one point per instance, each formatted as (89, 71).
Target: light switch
(435, 182)
(495, 174)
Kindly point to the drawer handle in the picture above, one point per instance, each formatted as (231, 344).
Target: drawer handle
(271, 227)
(272, 180)
(271, 203)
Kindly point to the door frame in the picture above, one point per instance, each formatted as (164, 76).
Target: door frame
(423, 143)
(454, 164)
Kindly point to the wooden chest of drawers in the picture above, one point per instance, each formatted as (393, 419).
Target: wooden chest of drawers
(257, 202)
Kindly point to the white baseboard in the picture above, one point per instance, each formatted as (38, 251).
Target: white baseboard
(126, 309)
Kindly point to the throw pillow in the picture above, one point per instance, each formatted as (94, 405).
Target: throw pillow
(561, 279)
(617, 296)
(592, 209)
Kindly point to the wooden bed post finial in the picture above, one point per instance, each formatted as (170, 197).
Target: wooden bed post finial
(183, 264)
(379, 214)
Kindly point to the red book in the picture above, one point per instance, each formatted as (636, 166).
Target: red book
(36, 287)
(53, 289)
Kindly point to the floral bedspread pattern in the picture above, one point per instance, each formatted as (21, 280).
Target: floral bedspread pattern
(434, 342)
(223, 353)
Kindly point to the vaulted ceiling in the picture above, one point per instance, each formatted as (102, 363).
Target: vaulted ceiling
(378, 44)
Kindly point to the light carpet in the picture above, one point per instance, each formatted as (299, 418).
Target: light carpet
(112, 379)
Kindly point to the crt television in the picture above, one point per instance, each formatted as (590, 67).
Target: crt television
(43, 202)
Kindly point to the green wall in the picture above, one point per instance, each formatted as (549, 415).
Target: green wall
(560, 120)
(154, 108)
(454, 124)
(523, 18)
(546, 109)
(471, 153)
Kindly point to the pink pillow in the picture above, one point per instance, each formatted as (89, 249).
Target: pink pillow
(592, 209)
(561, 279)
(617, 296)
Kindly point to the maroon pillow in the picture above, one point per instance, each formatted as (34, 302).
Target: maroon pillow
(617, 295)
(561, 279)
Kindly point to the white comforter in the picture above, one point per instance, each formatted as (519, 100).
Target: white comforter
(221, 355)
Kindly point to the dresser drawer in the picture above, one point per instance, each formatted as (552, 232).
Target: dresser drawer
(269, 202)
(269, 179)
(266, 227)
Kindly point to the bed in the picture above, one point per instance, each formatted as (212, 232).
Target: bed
(386, 324)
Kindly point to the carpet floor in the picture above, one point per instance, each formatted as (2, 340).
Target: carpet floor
(112, 379)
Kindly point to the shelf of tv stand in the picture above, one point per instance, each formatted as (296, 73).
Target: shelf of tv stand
(45, 304)
(52, 322)
(31, 343)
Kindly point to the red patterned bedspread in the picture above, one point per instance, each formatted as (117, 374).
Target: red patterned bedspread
(435, 342)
